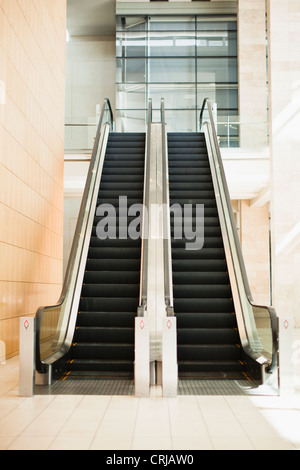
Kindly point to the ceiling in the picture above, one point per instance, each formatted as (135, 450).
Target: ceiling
(91, 17)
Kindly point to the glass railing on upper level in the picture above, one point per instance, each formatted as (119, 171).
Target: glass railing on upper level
(55, 324)
(233, 131)
(236, 132)
(258, 325)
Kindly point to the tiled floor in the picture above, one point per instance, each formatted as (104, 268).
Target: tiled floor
(127, 423)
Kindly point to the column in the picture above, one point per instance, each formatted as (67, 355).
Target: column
(284, 97)
(252, 73)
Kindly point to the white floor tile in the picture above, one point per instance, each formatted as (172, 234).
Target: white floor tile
(192, 443)
(79, 441)
(111, 443)
(155, 423)
(152, 443)
(29, 443)
(228, 443)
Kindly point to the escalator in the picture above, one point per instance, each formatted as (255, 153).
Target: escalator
(103, 344)
(207, 334)
(90, 332)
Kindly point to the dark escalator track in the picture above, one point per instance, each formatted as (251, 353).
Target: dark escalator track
(103, 344)
(207, 335)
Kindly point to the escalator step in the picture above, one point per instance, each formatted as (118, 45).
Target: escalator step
(105, 366)
(115, 201)
(184, 173)
(201, 291)
(205, 320)
(203, 305)
(115, 220)
(115, 243)
(117, 185)
(107, 264)
(184, 220)
(209, 242)
(215, 352)
(185, 368)
(203, 254)
(135, 167)
(114, 253)
(124, 144)
(197, 265)
(122, 178)
(195, 179)
(112, 277)
(110, 193)
(103, 351)
(183, 195)
(109, 304)
(207, 336)
(200, 278)
(106, 319)
(188, 168)
(96, 334)
(110, 290)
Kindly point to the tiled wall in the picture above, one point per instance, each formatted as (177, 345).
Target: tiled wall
(32, 96)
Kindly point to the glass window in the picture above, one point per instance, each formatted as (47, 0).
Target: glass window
(172, 23)
(171, 44)
(221, 23)
(176, 96)
(181, 121)
(225, 96)
(131, 45)
(130, 121)
(131, 23)
(183, 59)
(131, 70)
(131, 96)
(172, 70)
(217, 43)
(221, 70)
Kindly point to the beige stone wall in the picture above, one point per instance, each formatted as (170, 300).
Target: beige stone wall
(32, 91)
(254, 235)
(284, 79)
(252, 73)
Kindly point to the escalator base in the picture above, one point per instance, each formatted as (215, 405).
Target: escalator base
(214, 376)
(94, 375)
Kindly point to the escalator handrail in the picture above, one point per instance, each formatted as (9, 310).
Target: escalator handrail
(246, 286)
(40, 366)
(145, 220)
(169, 301)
